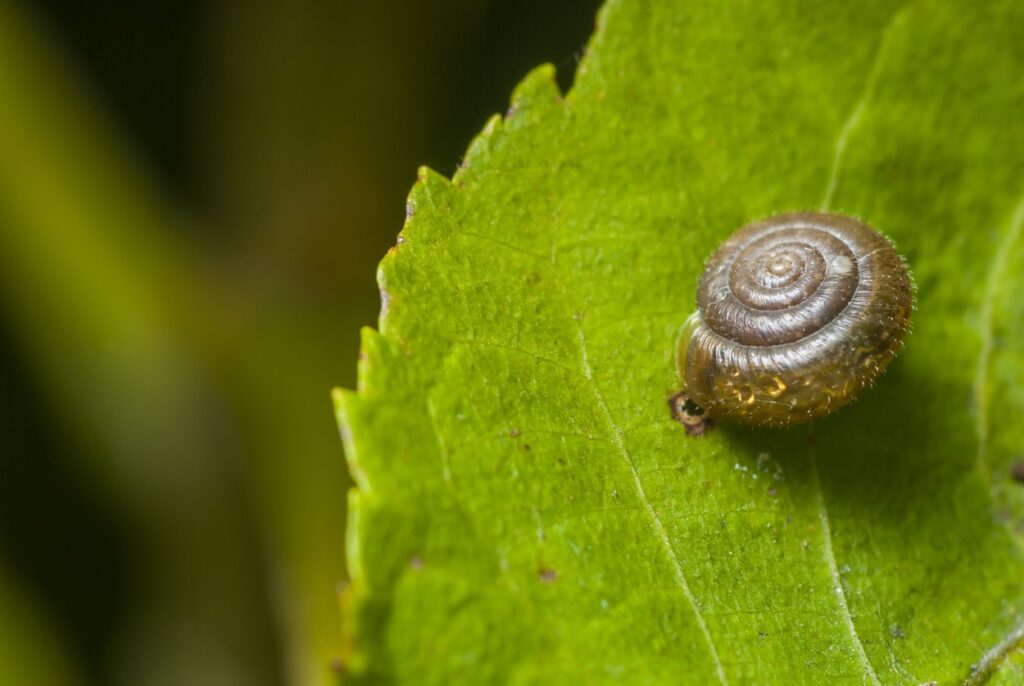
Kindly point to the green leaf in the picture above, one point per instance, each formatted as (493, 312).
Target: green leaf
(528, 512)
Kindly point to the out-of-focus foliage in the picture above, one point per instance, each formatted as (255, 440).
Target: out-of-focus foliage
(527, 510)
(173, 488)
(31, 652)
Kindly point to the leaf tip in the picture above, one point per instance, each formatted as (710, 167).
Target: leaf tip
(538, 91)
(425, 176)
(371, 342)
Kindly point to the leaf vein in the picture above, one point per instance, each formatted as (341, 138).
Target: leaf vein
(990, 661)
(830, 560)
(446, 471)
(995, 274)
(854, 120)
(484, 344)
(656, 522)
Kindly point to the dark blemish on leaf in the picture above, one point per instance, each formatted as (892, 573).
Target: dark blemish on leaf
(547, 575)
(1017, 471)
(687, 413)
(897, 632)
(336, 665)
(526, 447)
(514, 433)
(416, 563)
(762, 634)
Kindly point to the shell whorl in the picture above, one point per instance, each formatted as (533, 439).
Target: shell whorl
(796, 315)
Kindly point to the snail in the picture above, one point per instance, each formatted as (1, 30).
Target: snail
(797, 314)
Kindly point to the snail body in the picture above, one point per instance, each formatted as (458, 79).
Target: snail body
(797, 314)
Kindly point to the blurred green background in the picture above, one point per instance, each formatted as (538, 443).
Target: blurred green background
(193, 200)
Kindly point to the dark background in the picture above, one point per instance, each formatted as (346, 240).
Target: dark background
(171, 482)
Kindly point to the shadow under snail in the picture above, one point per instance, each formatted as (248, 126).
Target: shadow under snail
(797, 314)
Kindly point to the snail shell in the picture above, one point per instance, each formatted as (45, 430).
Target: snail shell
(797, 314)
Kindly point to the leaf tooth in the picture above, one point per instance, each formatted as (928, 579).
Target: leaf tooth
(429, 203)
(384, 270)
(480, 150)
(536, 95)
(373, 348)
(353, 595)
(427, 178)
(347, 406)
(354, 410)
(353, 547)
(432, 194)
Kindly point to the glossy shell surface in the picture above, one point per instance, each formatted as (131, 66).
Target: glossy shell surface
(797, 314)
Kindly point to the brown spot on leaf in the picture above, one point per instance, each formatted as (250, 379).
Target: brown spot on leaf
(547, 575)
(1017, 471)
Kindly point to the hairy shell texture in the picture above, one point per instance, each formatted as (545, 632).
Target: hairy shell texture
(797, 314)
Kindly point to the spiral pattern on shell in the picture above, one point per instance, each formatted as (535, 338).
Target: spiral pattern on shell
(796, 315)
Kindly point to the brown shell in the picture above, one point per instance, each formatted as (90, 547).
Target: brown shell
(797, 314)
